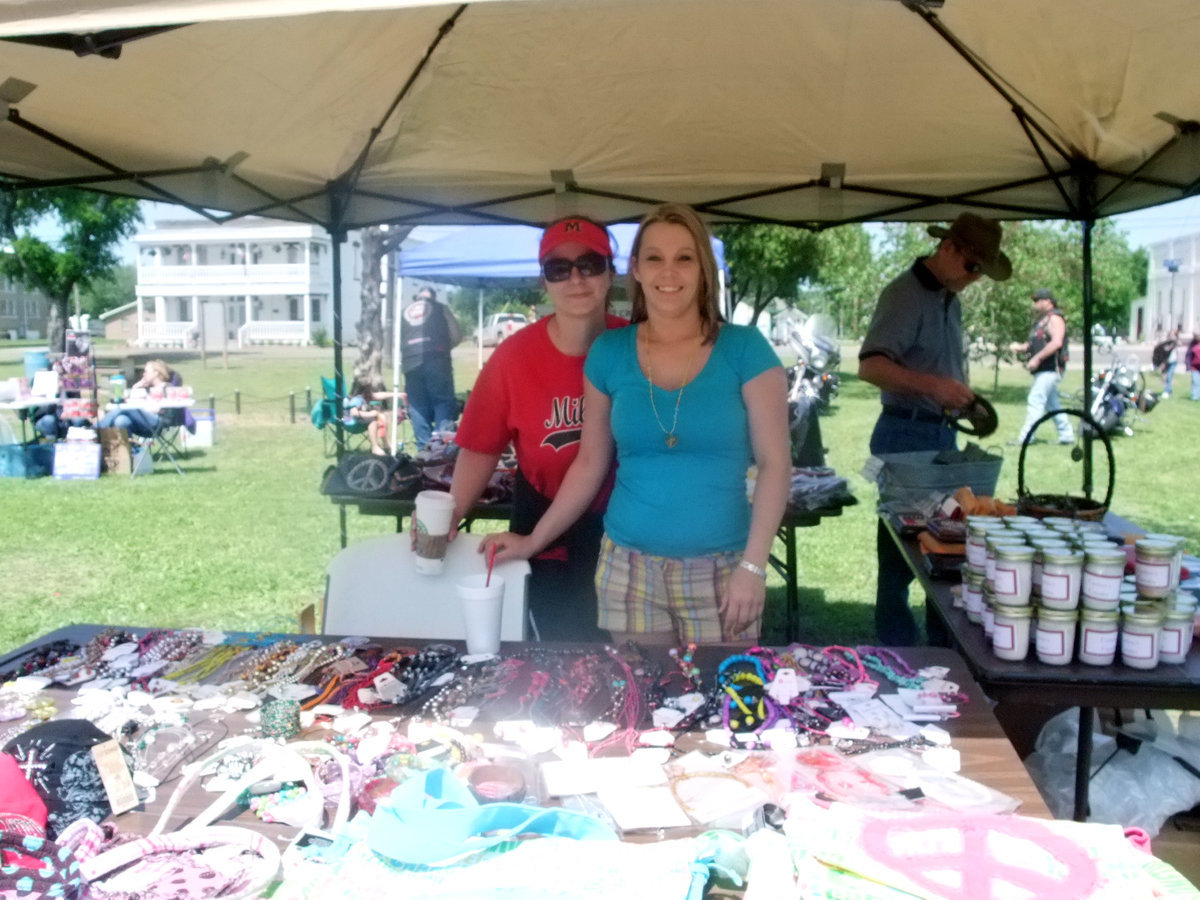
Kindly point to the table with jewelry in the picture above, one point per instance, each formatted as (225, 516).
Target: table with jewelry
(347, 766)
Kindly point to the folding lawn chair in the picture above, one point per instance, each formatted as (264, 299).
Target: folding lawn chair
(164, 442)
(325, 415)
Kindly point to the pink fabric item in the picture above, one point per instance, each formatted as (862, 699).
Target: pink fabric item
(1140, 839)
(22, 811)
(981, 872)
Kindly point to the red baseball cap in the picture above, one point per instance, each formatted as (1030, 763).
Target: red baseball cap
(581, 231)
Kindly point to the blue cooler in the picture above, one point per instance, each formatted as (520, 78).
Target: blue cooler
(36, 361)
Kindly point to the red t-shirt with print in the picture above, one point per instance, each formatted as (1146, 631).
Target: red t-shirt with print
(530, 394)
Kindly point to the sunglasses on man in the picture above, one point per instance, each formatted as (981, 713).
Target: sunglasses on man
(970, 266)
(589, 265)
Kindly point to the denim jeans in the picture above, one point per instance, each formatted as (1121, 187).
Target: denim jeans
(136, 421)
(895, 625)
(1169, 378)
(431, 400)
(1043, 398)
(1196, 384)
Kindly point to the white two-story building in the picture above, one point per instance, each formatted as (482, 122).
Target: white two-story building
(1172, 290)
(259, 281)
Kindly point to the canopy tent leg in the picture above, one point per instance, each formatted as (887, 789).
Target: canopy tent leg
(338, 239)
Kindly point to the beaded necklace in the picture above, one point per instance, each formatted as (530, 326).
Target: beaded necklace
(891, 665)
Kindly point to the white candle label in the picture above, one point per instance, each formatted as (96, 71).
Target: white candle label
(1004, 637)
(1099, 643)
(1006, 582)
(1056, 587)
(1138, 646)
(976, 555)
(1171, 641)
(1153, 575)
(1101, 587)
(1051, 643)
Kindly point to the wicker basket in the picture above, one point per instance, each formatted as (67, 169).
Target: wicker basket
(1066, 505)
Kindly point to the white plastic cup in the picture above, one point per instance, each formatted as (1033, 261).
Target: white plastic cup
(431, 522)
(482, 604)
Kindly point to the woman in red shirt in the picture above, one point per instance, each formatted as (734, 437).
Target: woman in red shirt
(530, 394)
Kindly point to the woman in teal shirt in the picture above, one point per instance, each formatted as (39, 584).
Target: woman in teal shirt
(687, 403)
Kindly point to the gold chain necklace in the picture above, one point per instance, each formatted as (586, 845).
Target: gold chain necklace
(670, 438)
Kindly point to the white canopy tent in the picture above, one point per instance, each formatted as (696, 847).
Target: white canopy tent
(810, 112)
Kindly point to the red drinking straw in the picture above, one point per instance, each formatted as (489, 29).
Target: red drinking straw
(491, 562)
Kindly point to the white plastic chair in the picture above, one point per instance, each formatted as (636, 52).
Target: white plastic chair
(372, 588)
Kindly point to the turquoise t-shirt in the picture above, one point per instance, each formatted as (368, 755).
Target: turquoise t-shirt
(689, 500)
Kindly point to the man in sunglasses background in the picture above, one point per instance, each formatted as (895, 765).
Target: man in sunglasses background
(428, 332)
(913, 351)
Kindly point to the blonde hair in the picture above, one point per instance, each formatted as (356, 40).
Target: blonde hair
(157, 370)
(678, 214)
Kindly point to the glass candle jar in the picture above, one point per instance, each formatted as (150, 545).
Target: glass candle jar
(977, 550)
(973, 595)
(1141, 629)
(1010, 637)
(989, 618)
(1153, 562)
(1054, 637)
(1177, 560)
(1062, 573)
(1039, 544)
(993, 541)
(1098, 631)
(1013, 579)
(1175, 640)
(1103, 571)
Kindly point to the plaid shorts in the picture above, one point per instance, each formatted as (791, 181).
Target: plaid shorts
(638, 592)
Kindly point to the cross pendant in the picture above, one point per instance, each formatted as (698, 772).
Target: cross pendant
(671, 441)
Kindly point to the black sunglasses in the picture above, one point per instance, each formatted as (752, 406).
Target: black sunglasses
(969, 265)
(589, 265)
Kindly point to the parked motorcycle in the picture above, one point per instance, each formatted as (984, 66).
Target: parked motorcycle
(817, 355)
(1119, 395)
(812, 385)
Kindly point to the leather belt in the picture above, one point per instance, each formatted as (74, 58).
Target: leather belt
(912, 414)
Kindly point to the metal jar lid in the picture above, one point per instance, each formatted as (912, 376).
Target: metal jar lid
(1175, 614)
(1045, 614)
(1061, 556)
(1144, 614)
(1169, 538)
(1154, 549)
(1014, 552)
(1099, 616)
(1105, 555)
(974, 579)
(1003, 610)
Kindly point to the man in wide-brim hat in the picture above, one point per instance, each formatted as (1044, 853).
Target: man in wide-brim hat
(913, 352)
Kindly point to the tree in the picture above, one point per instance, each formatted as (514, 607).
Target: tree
(90, 227)
(850, 275)
(114, 288)
(377, 241)
(767, 261)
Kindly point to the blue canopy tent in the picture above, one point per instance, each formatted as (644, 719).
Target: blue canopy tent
(487, 255)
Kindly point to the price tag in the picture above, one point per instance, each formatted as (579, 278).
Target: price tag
(114, 772)
(347, 666)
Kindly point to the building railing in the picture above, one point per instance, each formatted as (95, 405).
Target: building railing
(243, 275)
(268, 332)
(166, 334)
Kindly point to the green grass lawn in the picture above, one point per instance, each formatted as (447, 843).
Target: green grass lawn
(241, 541)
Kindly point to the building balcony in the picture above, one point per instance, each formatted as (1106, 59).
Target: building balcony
(241, 279)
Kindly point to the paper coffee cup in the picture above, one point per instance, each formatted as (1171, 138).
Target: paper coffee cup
(482, 605)
(431, 522)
